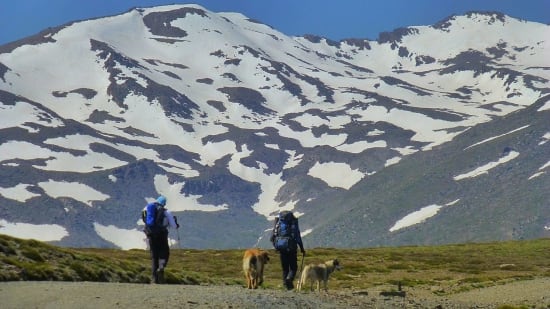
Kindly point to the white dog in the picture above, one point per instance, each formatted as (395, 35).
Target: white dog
(317, 273)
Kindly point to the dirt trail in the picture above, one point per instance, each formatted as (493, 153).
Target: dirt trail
(25, 294)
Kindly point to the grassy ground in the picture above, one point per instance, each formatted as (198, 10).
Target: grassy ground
(454, 267)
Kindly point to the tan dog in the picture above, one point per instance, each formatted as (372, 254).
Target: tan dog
(318, 273)
(253, 267)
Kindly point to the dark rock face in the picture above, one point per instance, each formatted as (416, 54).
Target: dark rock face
(3, 70)
(85, 92)
(396, 35)
(159, 23)
(249, 98)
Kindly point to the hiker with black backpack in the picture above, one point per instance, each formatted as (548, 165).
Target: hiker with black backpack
(157, 219)
(286, 238)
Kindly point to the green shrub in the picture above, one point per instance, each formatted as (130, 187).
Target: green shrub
(84, 272)
(7, 249)
(38, 272)
(32, 254)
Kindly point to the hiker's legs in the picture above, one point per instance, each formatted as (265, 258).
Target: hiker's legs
(164, 250)
(284, 267)
(154, 267)
(293, 269)
(284, 264)
(289, 265)
(154, 250)
(163, 255)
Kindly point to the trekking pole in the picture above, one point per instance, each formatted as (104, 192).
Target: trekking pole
(302, 264)
(301, 269)
(179, 241)
(178, 231)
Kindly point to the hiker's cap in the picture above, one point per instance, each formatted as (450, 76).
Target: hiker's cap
(161, 200)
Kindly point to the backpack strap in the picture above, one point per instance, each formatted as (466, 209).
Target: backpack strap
(276, 226)
(293, 225)
(159, 215)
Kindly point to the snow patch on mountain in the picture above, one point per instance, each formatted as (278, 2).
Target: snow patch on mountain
(123, 238)
(305, 232)
(427, 129)
(179, 201)
(495, 137)
(41, 232)
(361, 146)
(22, 150)
(57, 161)
(392, 161)
(214, 151)
(18, 193)
(270, 183)
(419, 216)
(416, 217)
(336, 174)
(309, 140)
(293, 159)
(75, 190)
(541, 171)
(484, 169)
(21, 114)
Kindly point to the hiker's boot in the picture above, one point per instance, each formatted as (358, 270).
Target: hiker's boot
(289, 279)
(160, 276)
(160, 271)
(288, 284)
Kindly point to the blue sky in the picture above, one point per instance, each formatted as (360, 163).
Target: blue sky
(334, 19)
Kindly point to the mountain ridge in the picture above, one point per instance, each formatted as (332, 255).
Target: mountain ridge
(246, 121)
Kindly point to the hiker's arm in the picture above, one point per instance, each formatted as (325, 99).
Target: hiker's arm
(171, 221)
(299, 239)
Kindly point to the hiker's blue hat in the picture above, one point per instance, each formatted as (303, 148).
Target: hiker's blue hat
(161, 200)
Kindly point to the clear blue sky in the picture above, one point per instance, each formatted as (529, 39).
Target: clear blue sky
(334, 19)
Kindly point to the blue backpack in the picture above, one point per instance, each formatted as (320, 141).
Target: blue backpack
(153, 217)
(285, 232)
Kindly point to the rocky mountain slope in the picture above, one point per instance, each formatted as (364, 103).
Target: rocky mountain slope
(431, 134)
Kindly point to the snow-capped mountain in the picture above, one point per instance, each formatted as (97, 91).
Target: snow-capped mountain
(413, 138)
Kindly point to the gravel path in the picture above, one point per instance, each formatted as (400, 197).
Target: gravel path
(59, 295)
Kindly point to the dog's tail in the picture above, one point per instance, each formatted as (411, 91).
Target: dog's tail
(253, 266)
(253, 261)
(249, 264)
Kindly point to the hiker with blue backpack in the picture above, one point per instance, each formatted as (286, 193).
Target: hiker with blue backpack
(286, 239)
(157, 219)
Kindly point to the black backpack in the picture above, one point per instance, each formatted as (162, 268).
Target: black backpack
(153, 217)
(284, 232)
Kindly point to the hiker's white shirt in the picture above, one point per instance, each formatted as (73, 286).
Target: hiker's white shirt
(169, 220)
